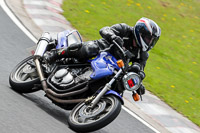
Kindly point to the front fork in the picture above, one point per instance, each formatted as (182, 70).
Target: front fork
(104, 90)
(40, 50)
(41, 75)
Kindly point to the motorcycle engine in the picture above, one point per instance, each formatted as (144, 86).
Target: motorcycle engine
(65, 77)
(62, 78)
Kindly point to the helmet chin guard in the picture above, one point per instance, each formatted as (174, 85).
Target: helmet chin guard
(144, 45)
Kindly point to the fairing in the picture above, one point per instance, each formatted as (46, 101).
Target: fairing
(62, 39)
(67, 37)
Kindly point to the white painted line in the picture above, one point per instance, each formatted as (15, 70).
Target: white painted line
(16, 21)
(140, 119)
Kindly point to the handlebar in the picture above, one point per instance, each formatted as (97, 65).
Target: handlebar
(127, 55)
(120, 48)
(106, 49)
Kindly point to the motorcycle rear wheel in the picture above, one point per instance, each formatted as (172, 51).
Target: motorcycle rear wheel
(23, 77)
(83, 120)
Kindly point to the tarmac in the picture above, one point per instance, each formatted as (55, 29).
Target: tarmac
(39, 16)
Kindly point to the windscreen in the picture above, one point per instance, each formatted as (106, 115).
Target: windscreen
(74, 37)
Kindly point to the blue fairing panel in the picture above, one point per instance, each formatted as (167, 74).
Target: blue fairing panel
(62, 39)
(103, 65)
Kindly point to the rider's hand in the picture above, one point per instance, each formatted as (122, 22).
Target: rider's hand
(142, 74)
(136, 67)
(141, 90)
(118, 39)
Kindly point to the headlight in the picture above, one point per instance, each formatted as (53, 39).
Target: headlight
(131, 81)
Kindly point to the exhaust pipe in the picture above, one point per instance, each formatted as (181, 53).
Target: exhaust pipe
(64, 101)
(64, 95)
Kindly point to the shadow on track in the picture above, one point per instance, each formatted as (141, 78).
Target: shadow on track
(46, 105)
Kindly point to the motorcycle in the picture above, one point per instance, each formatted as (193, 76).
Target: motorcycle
(93, 90)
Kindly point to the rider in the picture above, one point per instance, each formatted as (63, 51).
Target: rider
(138, 40)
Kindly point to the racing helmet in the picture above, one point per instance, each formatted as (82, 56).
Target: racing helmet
(146, 33)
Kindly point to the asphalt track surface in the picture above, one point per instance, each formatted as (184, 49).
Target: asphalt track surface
(33, 113)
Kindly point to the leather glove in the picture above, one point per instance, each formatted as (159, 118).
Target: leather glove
(118, 39)
(135, 67)
(142, 74)
(141, 90)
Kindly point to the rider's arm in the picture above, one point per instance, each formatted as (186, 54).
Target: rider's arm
(139, 64)
(143, 59)
(121, 30)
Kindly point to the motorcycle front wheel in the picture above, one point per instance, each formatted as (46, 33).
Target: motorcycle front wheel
(24, 76)
(83, 119)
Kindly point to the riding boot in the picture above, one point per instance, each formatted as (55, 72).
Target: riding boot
(73, 51)
(81, 51)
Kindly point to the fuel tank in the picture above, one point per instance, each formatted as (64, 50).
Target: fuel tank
(103, 65)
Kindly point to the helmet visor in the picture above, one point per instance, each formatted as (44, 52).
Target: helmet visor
(150, 40)
(147, 39)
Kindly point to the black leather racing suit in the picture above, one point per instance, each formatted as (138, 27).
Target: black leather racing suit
(90, 49)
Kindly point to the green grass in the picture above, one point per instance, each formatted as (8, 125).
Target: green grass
(173, 69)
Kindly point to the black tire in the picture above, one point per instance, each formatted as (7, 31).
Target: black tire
(104, 117)
(16, 81)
